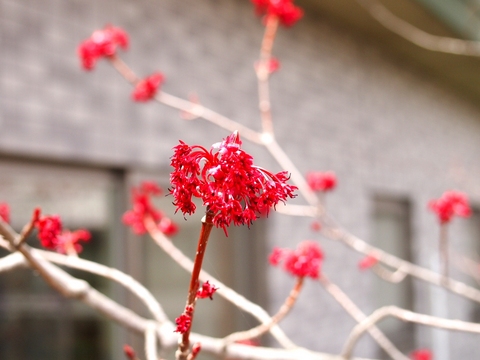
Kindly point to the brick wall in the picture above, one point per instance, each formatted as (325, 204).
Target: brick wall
(339, 103)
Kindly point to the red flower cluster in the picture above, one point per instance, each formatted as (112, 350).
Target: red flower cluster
(148, 87)
(5, 212)
(71, 240)
(143, 207)
(367, 262)
(287, 13)
(102, 43)
(449, 204)
(422, 354)
(225, 178)
(304, 261)
(184, 321)
(206, 291)
(322, 181)
(49, 228)
(129, 352)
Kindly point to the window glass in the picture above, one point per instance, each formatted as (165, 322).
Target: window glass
(35, 321)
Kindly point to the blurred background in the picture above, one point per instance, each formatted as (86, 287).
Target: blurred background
(398, 124)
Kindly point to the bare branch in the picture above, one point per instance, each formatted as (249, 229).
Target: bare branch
(151, 341)
(417, 36)
(408, 316)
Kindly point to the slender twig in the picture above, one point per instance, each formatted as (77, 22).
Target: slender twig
(409, 316)
(263, 72)
(417, 36)
(394, 277)
(188, 106)
(151, 341)
(443, 251)
(207, 224)
(223, 290)
(263, 328)
(359, 316)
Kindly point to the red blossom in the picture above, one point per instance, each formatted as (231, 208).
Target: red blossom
(147, 88)
(206, 291)
(285, 10)
(367, 262)
(143, 207)
(70, 240)
(49, 228)
(304, 261)
(5, 212)
(102, 43)
(184, 321)
(422, 354)
(316, 226)
(129, 352)
(272, 66)
(449, 204)
(225, 178)
(322, 181)
(195, 350)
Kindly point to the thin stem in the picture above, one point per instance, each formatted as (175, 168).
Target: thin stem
(359, 316)
(444, 263)
(263, 73)
(207, 224)
(263, 328)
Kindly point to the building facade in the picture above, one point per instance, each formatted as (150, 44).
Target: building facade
(74, 143)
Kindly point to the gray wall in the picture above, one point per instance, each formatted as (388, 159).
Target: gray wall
(339, 103)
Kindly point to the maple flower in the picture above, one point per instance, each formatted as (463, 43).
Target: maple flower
(102, 43)
(206, 291)
(304, 261)
(49, 228)
(285, 10)
(422, 354)
(196, 348)
(449, 204)
(143, 207)
(147, 88)
(322, 181)
(5, 212)
(70, 240)
(129, 352)
(367, 262)
(232, 188)
(184, 321)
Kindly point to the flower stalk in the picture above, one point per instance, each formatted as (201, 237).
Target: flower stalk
(207, 224)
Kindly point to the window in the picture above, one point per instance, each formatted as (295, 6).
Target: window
(35, 322)
(391, 232)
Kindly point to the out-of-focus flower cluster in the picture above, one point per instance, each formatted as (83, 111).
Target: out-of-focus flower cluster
(304, 261)
(53, 237)
(322, 181)
(449, 204)
(5, 212)
(285, 10)
(102, 43)
(422, 354)
(148, 87)
(143, 207)
(225, 178)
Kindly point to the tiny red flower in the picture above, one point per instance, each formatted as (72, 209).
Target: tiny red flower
(285, 10)
(5, 212)
(147, 88)
(129, 352)
(102, 43)
(143, 207)
(422, 354)
(367, 262)
(322, 181)
(71, 240)
(449, 204)
(49, 228)
(184, 321)
(272, 66)
(225, 178)
(303, 261)
(206, 291)
(195, 350)
(316, 226)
